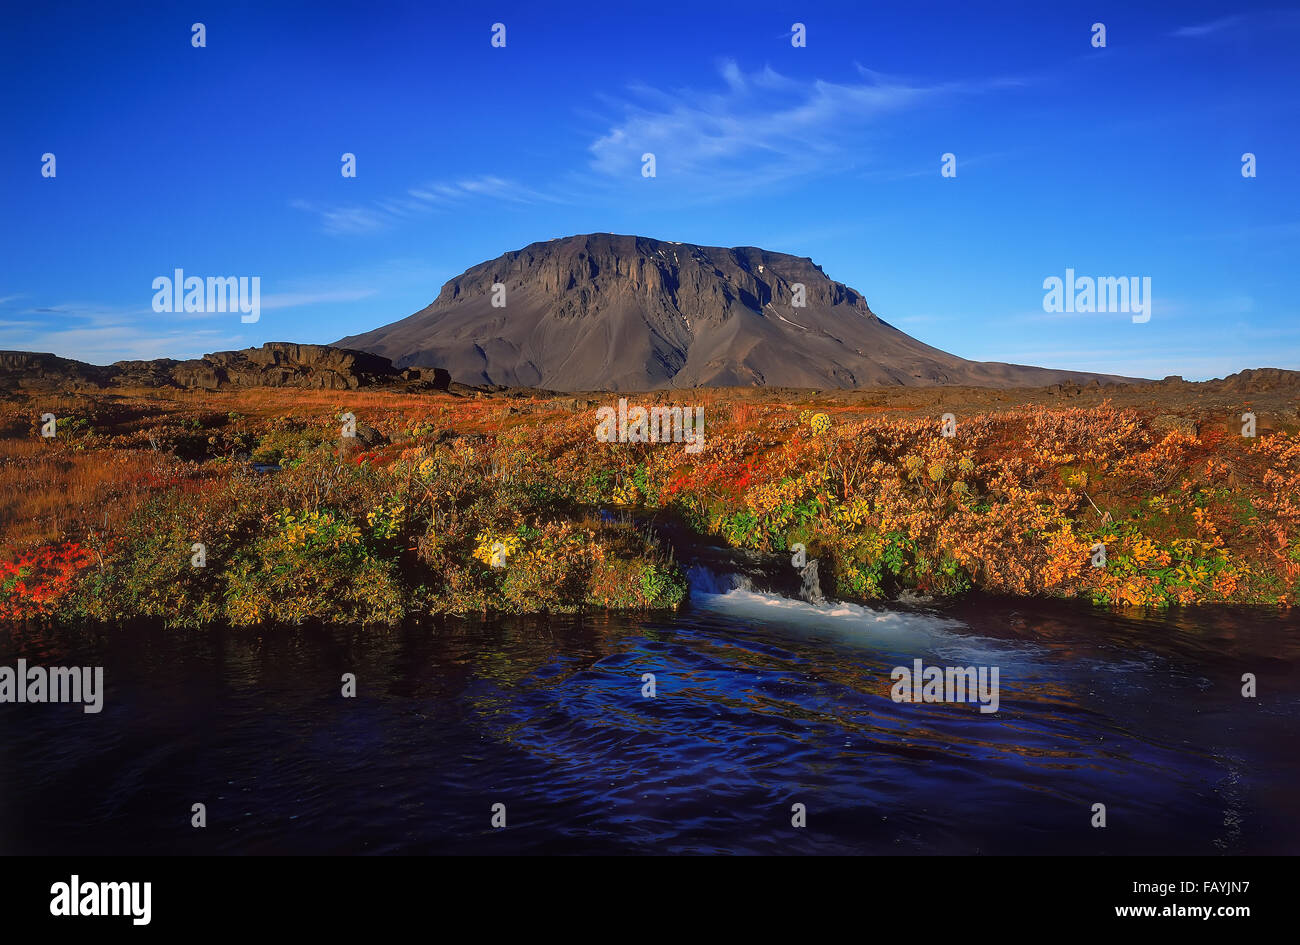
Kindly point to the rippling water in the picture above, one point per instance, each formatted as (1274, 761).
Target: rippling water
(762, 702)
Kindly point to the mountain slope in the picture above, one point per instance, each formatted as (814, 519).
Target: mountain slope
(607, 312)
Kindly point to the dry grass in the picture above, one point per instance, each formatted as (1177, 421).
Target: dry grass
(50, 491)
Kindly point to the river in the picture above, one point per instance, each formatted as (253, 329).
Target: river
(761, 703)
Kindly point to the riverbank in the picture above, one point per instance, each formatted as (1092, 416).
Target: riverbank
(275, 506)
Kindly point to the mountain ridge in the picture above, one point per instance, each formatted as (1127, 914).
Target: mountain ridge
(274, 364)
(605, 311)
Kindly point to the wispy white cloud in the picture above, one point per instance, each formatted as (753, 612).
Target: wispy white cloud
(966, 161)
(91, 313)
(353, 285)
(335, 219)
(1193, 365)
(101, 333)
(99, 336)
(1207, 29)
(348, 219)
(756, 129)
(327, 297)
(1259, 231)
(752, 130)
(1259, 22)
(919, 319)
(1162, 308)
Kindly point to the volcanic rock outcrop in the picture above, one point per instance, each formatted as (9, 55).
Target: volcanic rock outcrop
(275, 364)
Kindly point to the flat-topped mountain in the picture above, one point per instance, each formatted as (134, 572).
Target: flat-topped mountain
(607, 312)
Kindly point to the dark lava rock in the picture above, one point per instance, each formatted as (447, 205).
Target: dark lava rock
(275, 364)
(283, 364)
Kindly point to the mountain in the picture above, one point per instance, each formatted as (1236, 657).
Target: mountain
(627, 313)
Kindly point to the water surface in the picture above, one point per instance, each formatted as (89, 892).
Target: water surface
(761, 702)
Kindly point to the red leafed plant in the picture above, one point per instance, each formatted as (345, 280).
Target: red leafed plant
(31, 582)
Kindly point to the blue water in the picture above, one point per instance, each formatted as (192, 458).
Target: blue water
(761, 703)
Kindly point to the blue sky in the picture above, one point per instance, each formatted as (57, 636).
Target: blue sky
(225, 160)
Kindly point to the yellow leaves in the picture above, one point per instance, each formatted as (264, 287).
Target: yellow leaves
(1147, 555)
(1045, 458)
(1161, 503)
(394, 510)
(1205, 525)
(496, 550)
(856, 514)
(1016, 547)
(772, 498)
(626, 494)
(315, 529)
(1134, 592)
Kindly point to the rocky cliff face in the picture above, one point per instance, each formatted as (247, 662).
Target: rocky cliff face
(31, 369)
(281, 364)
(275, 364)
(607, 312)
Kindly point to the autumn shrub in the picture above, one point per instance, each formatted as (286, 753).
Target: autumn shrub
(286, 444)
(149, 568)
(479, 505)
(311, 566)
(34, 583)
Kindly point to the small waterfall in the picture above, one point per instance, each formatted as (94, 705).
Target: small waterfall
(707, 580)
(715, 570)
(704, 580)
(749, 590)
(811, 587)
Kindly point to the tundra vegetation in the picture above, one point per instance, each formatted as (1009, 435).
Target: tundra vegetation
(452, 504)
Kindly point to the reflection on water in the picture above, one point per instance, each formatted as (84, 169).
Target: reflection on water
(762, 702)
